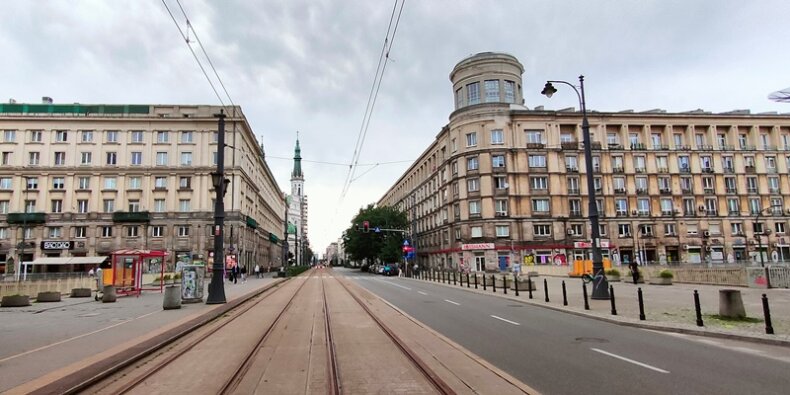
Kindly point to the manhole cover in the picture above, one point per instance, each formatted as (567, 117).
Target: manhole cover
(591, 340)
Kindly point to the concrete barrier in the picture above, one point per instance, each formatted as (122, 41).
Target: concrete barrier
(48, 296)
(731, 304)
(80, 293)
(108, 294)
(172, 299)
(15, 301)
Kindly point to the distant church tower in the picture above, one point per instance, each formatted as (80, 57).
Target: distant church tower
(297, 210)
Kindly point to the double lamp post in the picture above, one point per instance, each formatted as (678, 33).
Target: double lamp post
(600, 285)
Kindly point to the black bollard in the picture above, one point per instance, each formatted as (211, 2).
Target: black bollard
(484, 282)
(529, 285)
(769, 328)
(564, 294)
(584, 292)
(460, 279)
(467, 280)
(475, 280)
(697, 308)
(454, 279)
(641, 304)
(515, 283)
(546, 289)
(493, 283)
(611, 294)
(504, 284)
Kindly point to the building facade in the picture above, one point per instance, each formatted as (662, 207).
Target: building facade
(504, 183)
(297, 211)
(86, 180)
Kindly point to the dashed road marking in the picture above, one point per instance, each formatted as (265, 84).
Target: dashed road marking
(421, 293)
(450, 301)
(508, 321)
(644, 365)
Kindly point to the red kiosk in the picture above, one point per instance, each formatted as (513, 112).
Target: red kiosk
(127, 268)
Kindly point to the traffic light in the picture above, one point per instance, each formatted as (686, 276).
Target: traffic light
(365, 226)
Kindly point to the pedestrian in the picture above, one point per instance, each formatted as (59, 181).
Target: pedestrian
(244, 274)
(634, 271)
(257, 271)
(90, 273)
(400, 272)
(235, 271)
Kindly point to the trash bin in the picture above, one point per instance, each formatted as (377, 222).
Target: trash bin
(192, 279)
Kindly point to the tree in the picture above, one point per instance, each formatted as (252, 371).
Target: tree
(384, 246)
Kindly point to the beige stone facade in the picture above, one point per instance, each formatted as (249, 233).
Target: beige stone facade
(502, 182)
(112, 177)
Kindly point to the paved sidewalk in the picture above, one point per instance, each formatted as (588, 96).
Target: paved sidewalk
(666, 307)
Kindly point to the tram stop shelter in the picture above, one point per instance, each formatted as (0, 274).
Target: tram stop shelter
(128, 266)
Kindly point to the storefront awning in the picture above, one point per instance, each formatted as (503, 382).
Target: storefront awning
(142, 253)
(75, 260)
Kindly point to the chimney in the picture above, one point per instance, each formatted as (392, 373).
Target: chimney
(46, 100)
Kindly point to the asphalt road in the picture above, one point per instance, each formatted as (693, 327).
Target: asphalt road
(560, 353)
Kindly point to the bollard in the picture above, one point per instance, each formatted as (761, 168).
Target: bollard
(584, 292)
(484, 282)
(504, 284)
(475, 280)
(697, 308)
(515, 283)
(769, 328)
(641, 304)
(564, 294)
(529, 285)
(611, 294)
(454, 283)
(460, 279)
(467, 279)
(546, 289)
(493, 283)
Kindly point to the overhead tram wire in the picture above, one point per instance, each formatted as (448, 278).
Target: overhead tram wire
(340, 164)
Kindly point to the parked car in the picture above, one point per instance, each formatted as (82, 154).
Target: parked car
(391, 269)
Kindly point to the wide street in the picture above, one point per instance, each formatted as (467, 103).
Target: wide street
(559, 353)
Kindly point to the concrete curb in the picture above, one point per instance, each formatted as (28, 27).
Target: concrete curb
(658, 326)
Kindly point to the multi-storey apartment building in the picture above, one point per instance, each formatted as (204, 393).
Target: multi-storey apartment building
(98, 178)
(503, 182)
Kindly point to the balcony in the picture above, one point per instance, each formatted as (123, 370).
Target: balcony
(618, 170)
(771, 170)
(682, 148)
(726, 148)
(26, 218)
(638, 147)
(729, 169)
(575, 214)
(666, 191)
(536, 145)
(731, 191)
(639, 169)
(733, 213)
(619, 190)
(705, 147)
(663, 170)
(770, 148)
(661, 147)
(569, 145)
(615, 146)
(500, 214)
(667, 213)
(685, 169)
(641, 191)
(707, 191)
(573, 191)
(621, 214)
(708, 170)
(571, 169)
(131, 216)
(751, 190)
(643, 213)
(748, 148)
(712, 213)
(686, 191)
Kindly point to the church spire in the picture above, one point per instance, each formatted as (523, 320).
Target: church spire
(297, 172)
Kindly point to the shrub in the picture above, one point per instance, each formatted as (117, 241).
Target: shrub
(666, 273)
(612, 272)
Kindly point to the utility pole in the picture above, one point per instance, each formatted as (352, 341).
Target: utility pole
(216, 289)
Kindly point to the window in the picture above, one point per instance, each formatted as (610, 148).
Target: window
(36, 136)
(183, 230)
(459, 98)
(692, 229)
(6, 158)
(86, 158)
(683, 164)
(84, 182)
(571, 163)
(666, 206)
(137, 136)
(537, 161)
(106, 231)
(457, 210)
(624, 230)
(162, 137)
(110, 183)
(502, 231)
(135, 182)
(159, 206)
(160, 182)
(57, 206)
(497, 136)
(34, 158)
(500, 205)
(492, 91)
(137, 158)
(61, 136)
(134, 206)
(214, 158)
(454, 167)
(602, 230)
(646, 230)
(534, 136)
(108, 205)
(643, 205)
(500, 182)
(133, 231)
(215, 137)
(87, 136)
(112, 158)
(498, 161)
(185, 182)
(60, 158)
(186, 159)
(474, 207)
(6, 183)
(540, 183)
(621, 207)
(32, 183)
(111, 136)
(472, 163)
(779, 227)
(454, 145)
(82, 206)
(9, 136)
(58, 183)
(161, 158)
(80, 232)
(55, 232)
(736, 228)
(4, 204)
(183, 205)
(510, 91)
(473, 93)
(670, 230)
(477, 231)
(471, 139)
(541, 230)
(540, 205)
(157, 231)
(186, 137)
(473, 185)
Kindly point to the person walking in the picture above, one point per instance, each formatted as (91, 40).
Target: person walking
(244, 274)
(257, 271)
(634, 271)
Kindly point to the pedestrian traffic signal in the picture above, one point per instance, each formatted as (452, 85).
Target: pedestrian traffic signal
(365, 226)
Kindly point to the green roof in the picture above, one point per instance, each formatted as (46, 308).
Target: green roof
(14, 108)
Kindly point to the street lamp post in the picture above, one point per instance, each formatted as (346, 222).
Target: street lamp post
(216, 289)
(600, 284)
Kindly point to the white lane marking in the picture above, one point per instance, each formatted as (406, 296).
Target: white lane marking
(450, 301)
(73, 338)
(508, 321)
(421, 293)
(397, 285)
(644, 365)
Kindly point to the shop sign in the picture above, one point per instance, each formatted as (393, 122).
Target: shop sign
(477, 246)
(588, 244)
(57, 245)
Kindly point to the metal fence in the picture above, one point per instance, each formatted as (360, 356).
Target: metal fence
(780, 276)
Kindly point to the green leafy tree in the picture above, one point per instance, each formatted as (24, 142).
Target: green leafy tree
(384, 246)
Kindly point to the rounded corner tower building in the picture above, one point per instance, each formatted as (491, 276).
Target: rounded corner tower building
(502, 183)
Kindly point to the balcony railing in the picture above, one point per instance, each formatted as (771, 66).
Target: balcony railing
(570, 145)
(666, 191)
(638, 147)
(617, 170)
(641, 191)
(131, 216)
(575, 214)
(573, 191)
(639, 169)
(571, 169)
(729, 169)
(663, 170)
(731, 190)
(26, 218)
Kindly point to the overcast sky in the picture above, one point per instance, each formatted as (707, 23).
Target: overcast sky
(309, 65)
